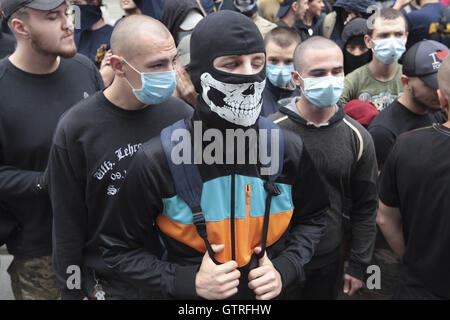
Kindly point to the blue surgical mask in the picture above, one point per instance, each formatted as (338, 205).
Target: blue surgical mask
(389, 50)
(157, 87)
(279, 76)
(323, 92)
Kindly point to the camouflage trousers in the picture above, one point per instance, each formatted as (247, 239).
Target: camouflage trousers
(33, 279)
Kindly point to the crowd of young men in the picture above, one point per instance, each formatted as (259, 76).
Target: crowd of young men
(265, 189)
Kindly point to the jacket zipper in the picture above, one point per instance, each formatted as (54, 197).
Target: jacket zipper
(248, 190)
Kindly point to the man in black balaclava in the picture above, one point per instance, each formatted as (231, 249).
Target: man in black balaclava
(356, 53)
(239, 253)
(216, 87)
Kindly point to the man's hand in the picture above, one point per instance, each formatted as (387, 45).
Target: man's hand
(265, 281)
(106, 70)
(400, 4)
(217, 282)
(351, 285)
(185, 89)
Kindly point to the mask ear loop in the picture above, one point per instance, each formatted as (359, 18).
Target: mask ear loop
(137, 71)
(302, 90)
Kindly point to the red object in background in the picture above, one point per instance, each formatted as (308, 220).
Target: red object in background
(361, 111)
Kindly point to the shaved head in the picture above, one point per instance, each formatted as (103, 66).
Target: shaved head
(316, 43)
(133, 31)
(444, 77)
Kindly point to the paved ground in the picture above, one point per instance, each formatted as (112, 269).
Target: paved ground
(5, 286)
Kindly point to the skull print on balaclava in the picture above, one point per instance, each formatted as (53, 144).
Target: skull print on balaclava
(237, 103)
(235, 98)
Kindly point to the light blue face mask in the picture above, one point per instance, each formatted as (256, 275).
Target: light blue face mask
(279, 76)
(157, 87)
(389, 50)
(323, 92)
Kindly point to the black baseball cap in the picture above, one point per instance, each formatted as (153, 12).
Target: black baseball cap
(284, 7)
(11, 6)
(423, 60)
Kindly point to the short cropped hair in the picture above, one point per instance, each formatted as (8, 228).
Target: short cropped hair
(387, 14)
(283, 37)
(313, 43)
(21, 14)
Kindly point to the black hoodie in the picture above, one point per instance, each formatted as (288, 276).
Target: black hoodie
(174, 12)
(344, 155)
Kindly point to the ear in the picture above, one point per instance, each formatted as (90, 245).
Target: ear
(294, 6)
(443, 100)
(297, 80)
(405, 81)
(368, 41)
(20, 29)
(117, 64)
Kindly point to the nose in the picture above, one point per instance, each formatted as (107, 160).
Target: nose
(246, 68)
(68, 23)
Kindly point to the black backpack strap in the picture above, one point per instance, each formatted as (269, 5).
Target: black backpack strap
(270, 186)
(187, 180)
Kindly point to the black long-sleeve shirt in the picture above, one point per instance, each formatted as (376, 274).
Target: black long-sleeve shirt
(30, 106)
(93, 146)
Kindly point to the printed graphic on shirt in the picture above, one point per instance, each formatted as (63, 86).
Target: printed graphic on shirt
(434, 28)
(381, 101)
(101, 51)
(113, 168)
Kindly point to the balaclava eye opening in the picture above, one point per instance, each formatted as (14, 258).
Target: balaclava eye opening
(226, 99)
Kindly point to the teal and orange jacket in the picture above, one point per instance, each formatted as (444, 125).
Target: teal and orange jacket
(148, 212)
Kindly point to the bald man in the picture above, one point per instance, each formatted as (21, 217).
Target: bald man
(414, 204)
(344, 155)
(93, 145)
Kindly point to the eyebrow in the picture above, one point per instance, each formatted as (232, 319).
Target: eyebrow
(160, 61)
(325, 70)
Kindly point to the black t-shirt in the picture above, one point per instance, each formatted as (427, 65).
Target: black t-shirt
(425, 21)
(394, 120)
(93, 146)
(94, 43)
(416, 179)
(7, 44)
(30, 106)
